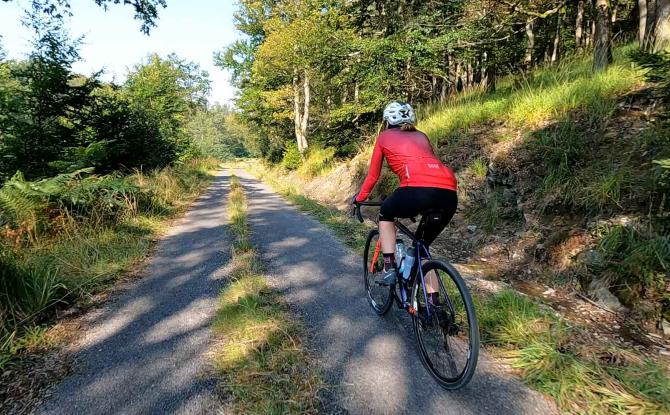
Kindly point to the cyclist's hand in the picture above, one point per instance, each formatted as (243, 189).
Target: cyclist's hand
(353, 199)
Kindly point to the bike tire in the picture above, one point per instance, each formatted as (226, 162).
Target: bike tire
(473, 342)
(380, 307)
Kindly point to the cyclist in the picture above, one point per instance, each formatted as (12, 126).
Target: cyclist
(425, 185)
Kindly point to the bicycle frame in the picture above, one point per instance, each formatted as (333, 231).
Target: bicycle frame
(421, 252)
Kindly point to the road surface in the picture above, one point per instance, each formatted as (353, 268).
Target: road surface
(371, 362)
(145, 351)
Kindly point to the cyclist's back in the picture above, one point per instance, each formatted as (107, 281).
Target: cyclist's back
(410, 156)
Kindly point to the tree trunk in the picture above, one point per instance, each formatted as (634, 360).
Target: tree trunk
(557, 39)
(642, 20)
(613, 11)
(661, 39)
(459, 79)
(490, 78)
(579, 23)
(301, 115)
(443, 92)
(297, 120)
(305, 112)
(453, 78)
(593, 31)
(469, 74)
(602, 51)
(650, 26)
(530, 45)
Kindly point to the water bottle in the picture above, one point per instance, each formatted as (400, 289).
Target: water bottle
(399, 254)
(408, 263)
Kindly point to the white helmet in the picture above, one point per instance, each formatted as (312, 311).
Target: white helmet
(397, 113)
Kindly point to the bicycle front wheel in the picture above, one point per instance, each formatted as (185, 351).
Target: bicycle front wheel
(447, 332)
(379, 296)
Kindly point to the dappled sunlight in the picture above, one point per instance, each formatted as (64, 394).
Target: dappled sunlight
(187, 319)
(359, 351)
(112, 327)
(146, 349)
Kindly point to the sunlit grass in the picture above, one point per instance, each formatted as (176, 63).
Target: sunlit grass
(550, 93)
(548, 355)
(81, 257)
(261, 357)
(318, 161)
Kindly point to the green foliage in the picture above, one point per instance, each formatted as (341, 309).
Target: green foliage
(292, 159)
(638, 260)
(547, 94)
(218, 132)
(54, 121)
(360, 55)
(317, 161)
(168, 90)
(62, 238)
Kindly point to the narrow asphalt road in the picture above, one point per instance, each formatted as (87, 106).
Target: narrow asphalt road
(371, 363)
(144, 352)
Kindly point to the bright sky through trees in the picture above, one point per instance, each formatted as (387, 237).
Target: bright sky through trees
(191, 29)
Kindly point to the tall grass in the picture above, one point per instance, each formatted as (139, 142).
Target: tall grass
(583, 378)
(83, 232)
(548, 93)
(261, 357)
(637, 260)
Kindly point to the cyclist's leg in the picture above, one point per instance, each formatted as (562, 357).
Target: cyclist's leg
(446, 201)
(397, 205)
(387, 233)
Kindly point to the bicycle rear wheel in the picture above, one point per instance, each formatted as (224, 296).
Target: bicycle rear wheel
(448, 336)
(379, 296)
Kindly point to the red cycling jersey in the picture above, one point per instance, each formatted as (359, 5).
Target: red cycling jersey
(411, 157)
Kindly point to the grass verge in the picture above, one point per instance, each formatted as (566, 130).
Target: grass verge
(351, 232)
(263, 363)
(548, 353)
(64, 239)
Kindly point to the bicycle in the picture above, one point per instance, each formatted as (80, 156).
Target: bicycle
(451, 328)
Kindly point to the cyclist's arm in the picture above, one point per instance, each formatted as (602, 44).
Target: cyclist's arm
(373, 173)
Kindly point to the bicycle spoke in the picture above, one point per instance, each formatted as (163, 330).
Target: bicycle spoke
(447, 346)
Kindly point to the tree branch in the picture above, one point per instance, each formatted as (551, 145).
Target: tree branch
(516, 8)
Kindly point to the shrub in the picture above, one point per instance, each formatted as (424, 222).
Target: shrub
(292, 158)
(61, 238)
(318, 161)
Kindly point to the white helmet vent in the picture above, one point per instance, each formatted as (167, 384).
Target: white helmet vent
(397, 113)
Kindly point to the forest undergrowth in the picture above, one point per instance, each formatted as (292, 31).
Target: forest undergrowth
(64, 239)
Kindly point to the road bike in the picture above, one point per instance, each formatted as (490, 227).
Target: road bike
(447, 333)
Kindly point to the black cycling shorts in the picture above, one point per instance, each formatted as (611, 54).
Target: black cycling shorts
(409, 202)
